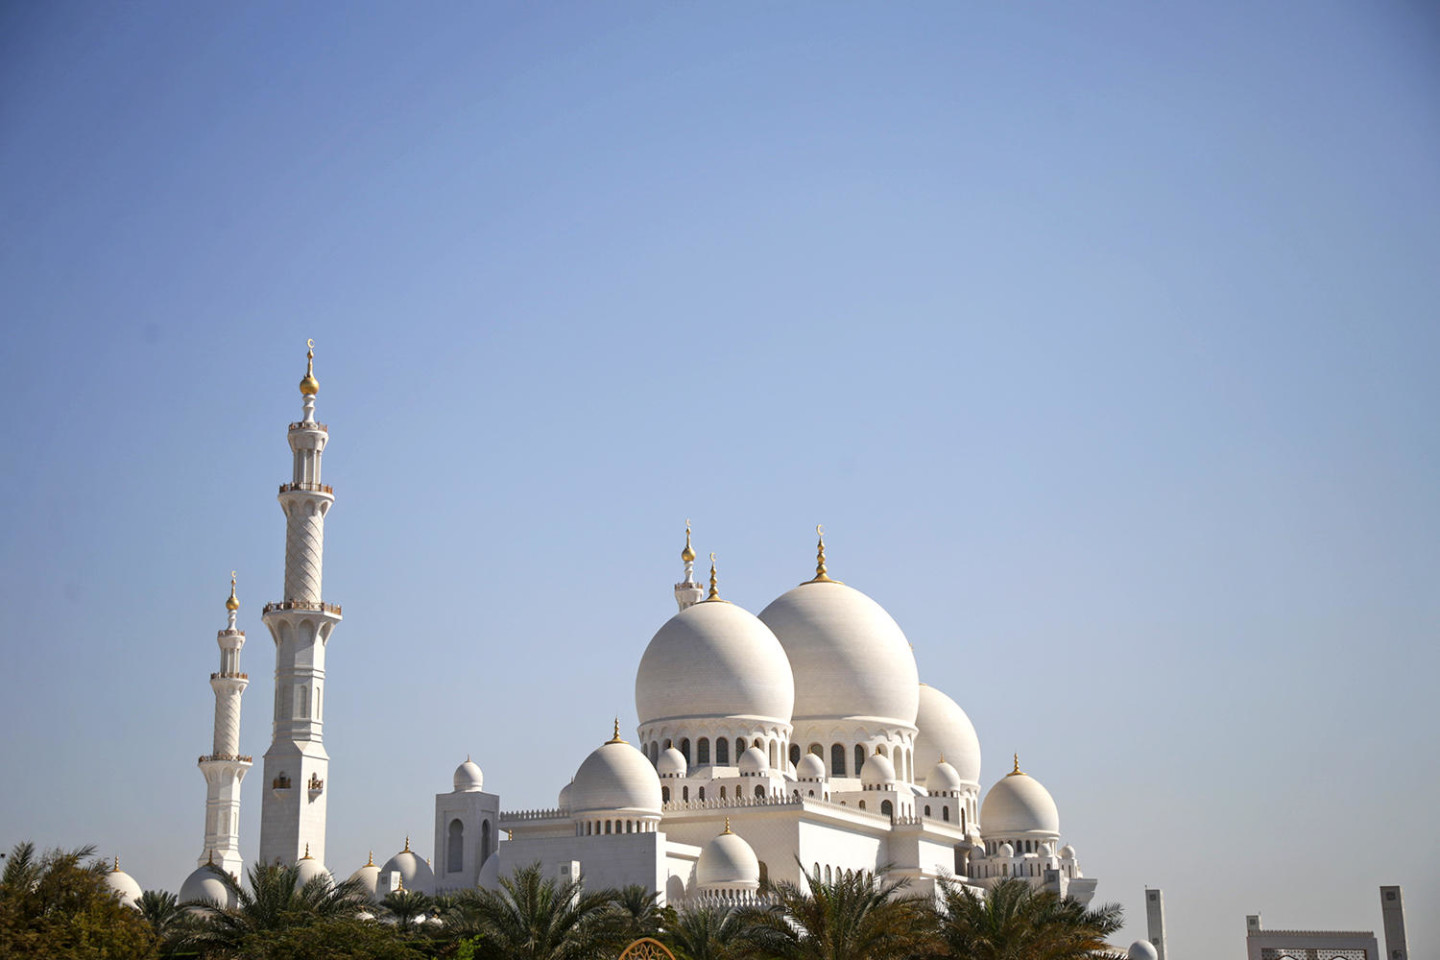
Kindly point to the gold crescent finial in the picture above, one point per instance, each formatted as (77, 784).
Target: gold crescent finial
(714, 581)
(233, 603)
(310, 342)
(688, 554)
(1017, 772)
(310, 386)
(615, 737)
(820, 575)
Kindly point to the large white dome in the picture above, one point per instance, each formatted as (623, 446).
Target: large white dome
(714, 659)
(414, 871)
(1019, 805)
(614, 778)
(307, 868)
(124, 885)
(369, 877)
(205, 885)
(727, 862)
(945, 731)
(849, 656)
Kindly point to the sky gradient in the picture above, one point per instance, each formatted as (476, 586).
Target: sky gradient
(1101, 338)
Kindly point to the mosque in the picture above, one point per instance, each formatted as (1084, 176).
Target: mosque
(801, 736)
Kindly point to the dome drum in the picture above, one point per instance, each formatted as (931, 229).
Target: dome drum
(716, 741)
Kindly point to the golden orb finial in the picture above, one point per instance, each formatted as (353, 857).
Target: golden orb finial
(820, 575)
(615, 737)
(310, 386)
(307, 852)
(116, 867)
(1017, 772)
(688, 554)
(727, 826)
(714, 582)
(210, 860)
(371, 861)
(407, 844)
(233, 603)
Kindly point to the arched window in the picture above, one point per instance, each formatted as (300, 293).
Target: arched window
(685, 793)
(607, 826)
(764, 874)
(722, 793)
(669, 743)
(818, 750)
(702, 750)
(812, 793)
(962, 817)
(945, 815)
(828, 877)
(880, 749)
(484, 841)
(722, 751)
(861, 804)
(739, 748)
(927, 809)
(685, 750)
(664, 794)
(702, 793)
(455, 847)
(887, 808)
(837, 760)
(772, 754)
(794, 753)
(759, 792)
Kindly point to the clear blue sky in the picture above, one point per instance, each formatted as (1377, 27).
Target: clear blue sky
(1102, 338)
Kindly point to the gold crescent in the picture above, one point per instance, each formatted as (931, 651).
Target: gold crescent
(310, 342)
(820, 529)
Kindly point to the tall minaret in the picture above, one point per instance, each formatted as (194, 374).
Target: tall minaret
(687, 591)
(292, 815)
(224, 767)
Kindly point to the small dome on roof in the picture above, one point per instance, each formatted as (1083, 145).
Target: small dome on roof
(727, 862)
(206, 885)
(943, 779)
(753, 763)
(369, 877)
(307, 868)
(878, 771)
(810, 767)
(564, 802)
(1067, 852)
(1019, 805)
(1143, 950)
(414, 872)
(1006, 850)
(123, 884)
(671, 763)
(616, 777)
(468, 778)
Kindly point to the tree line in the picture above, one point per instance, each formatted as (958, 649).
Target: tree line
(58, 905)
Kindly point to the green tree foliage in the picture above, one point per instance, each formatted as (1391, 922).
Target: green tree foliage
(330, 939)
(854, 917)
(532, 917)
(275, 902)
(408, 908)
(57, 906)
(705, 933)
(1015, 921)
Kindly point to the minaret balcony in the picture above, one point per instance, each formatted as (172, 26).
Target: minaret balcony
(332, 608)
(229, 676)
(225, 757)
(310, 425)
(308, 487)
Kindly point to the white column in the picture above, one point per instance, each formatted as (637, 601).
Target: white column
(224, 767)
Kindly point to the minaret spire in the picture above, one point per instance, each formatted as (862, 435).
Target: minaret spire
(687, 591)
(296, 765)
(820, 574)
(224, 767)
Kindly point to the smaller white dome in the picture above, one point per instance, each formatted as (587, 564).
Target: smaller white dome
(468, 778)
(1143, 950)
(616, 778)
(977, 852)
(206, 885)
(1006, 850)
(1067, 852)
(124, 886)
(1019, 805)
(728, 862)
(753, 763)
(414, 871)
(564, 801)
(490, 873)
(878, 771)
(671, 763)
(369, 877)
(810, 767)
(944, 779)
(307, 868)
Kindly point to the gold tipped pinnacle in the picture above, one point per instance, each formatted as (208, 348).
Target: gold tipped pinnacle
(310, 386)
(307, 852)
(407, 844)
(727, 826)
(1017, 772)
(371, 861)
(714, 583)
(233, 603)
(116, 867)
(688, 554)
(820, 575)
(210, 860)
(615, 737)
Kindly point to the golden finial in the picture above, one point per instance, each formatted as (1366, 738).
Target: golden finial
(371, 861)
(210, 861)
(400, 883)
(116, 868)
(616, 738)
(727, 826)
(714, 581)
(233, 603)
(688, 554)
(307, 852)
(310, 386)
(820, 575)
(407, 844)
(1017, 772)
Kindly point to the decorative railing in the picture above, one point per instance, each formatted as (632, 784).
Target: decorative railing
(310, 425)
(722, 803)
(730, 898)
(552, 814)
(228, 757)
(307, 486)
(302, 605)
(230, 676)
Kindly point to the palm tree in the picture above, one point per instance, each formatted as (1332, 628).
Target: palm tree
(854, 917)
(705, 933)
(631, 915)
(171, 923)
(532, 917)
(1015, 921)
(407, 906)
(276, 900)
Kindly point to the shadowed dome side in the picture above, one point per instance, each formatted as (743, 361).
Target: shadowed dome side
(714, 659)
(414, 871)
(849, 657)
(205, 885)
(945, 732)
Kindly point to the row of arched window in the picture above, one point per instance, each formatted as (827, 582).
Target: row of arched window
(773, 748)
(595, 828)
(455, 845)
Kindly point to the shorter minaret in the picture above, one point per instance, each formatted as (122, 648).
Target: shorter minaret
(687, 591)
(224, 767)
